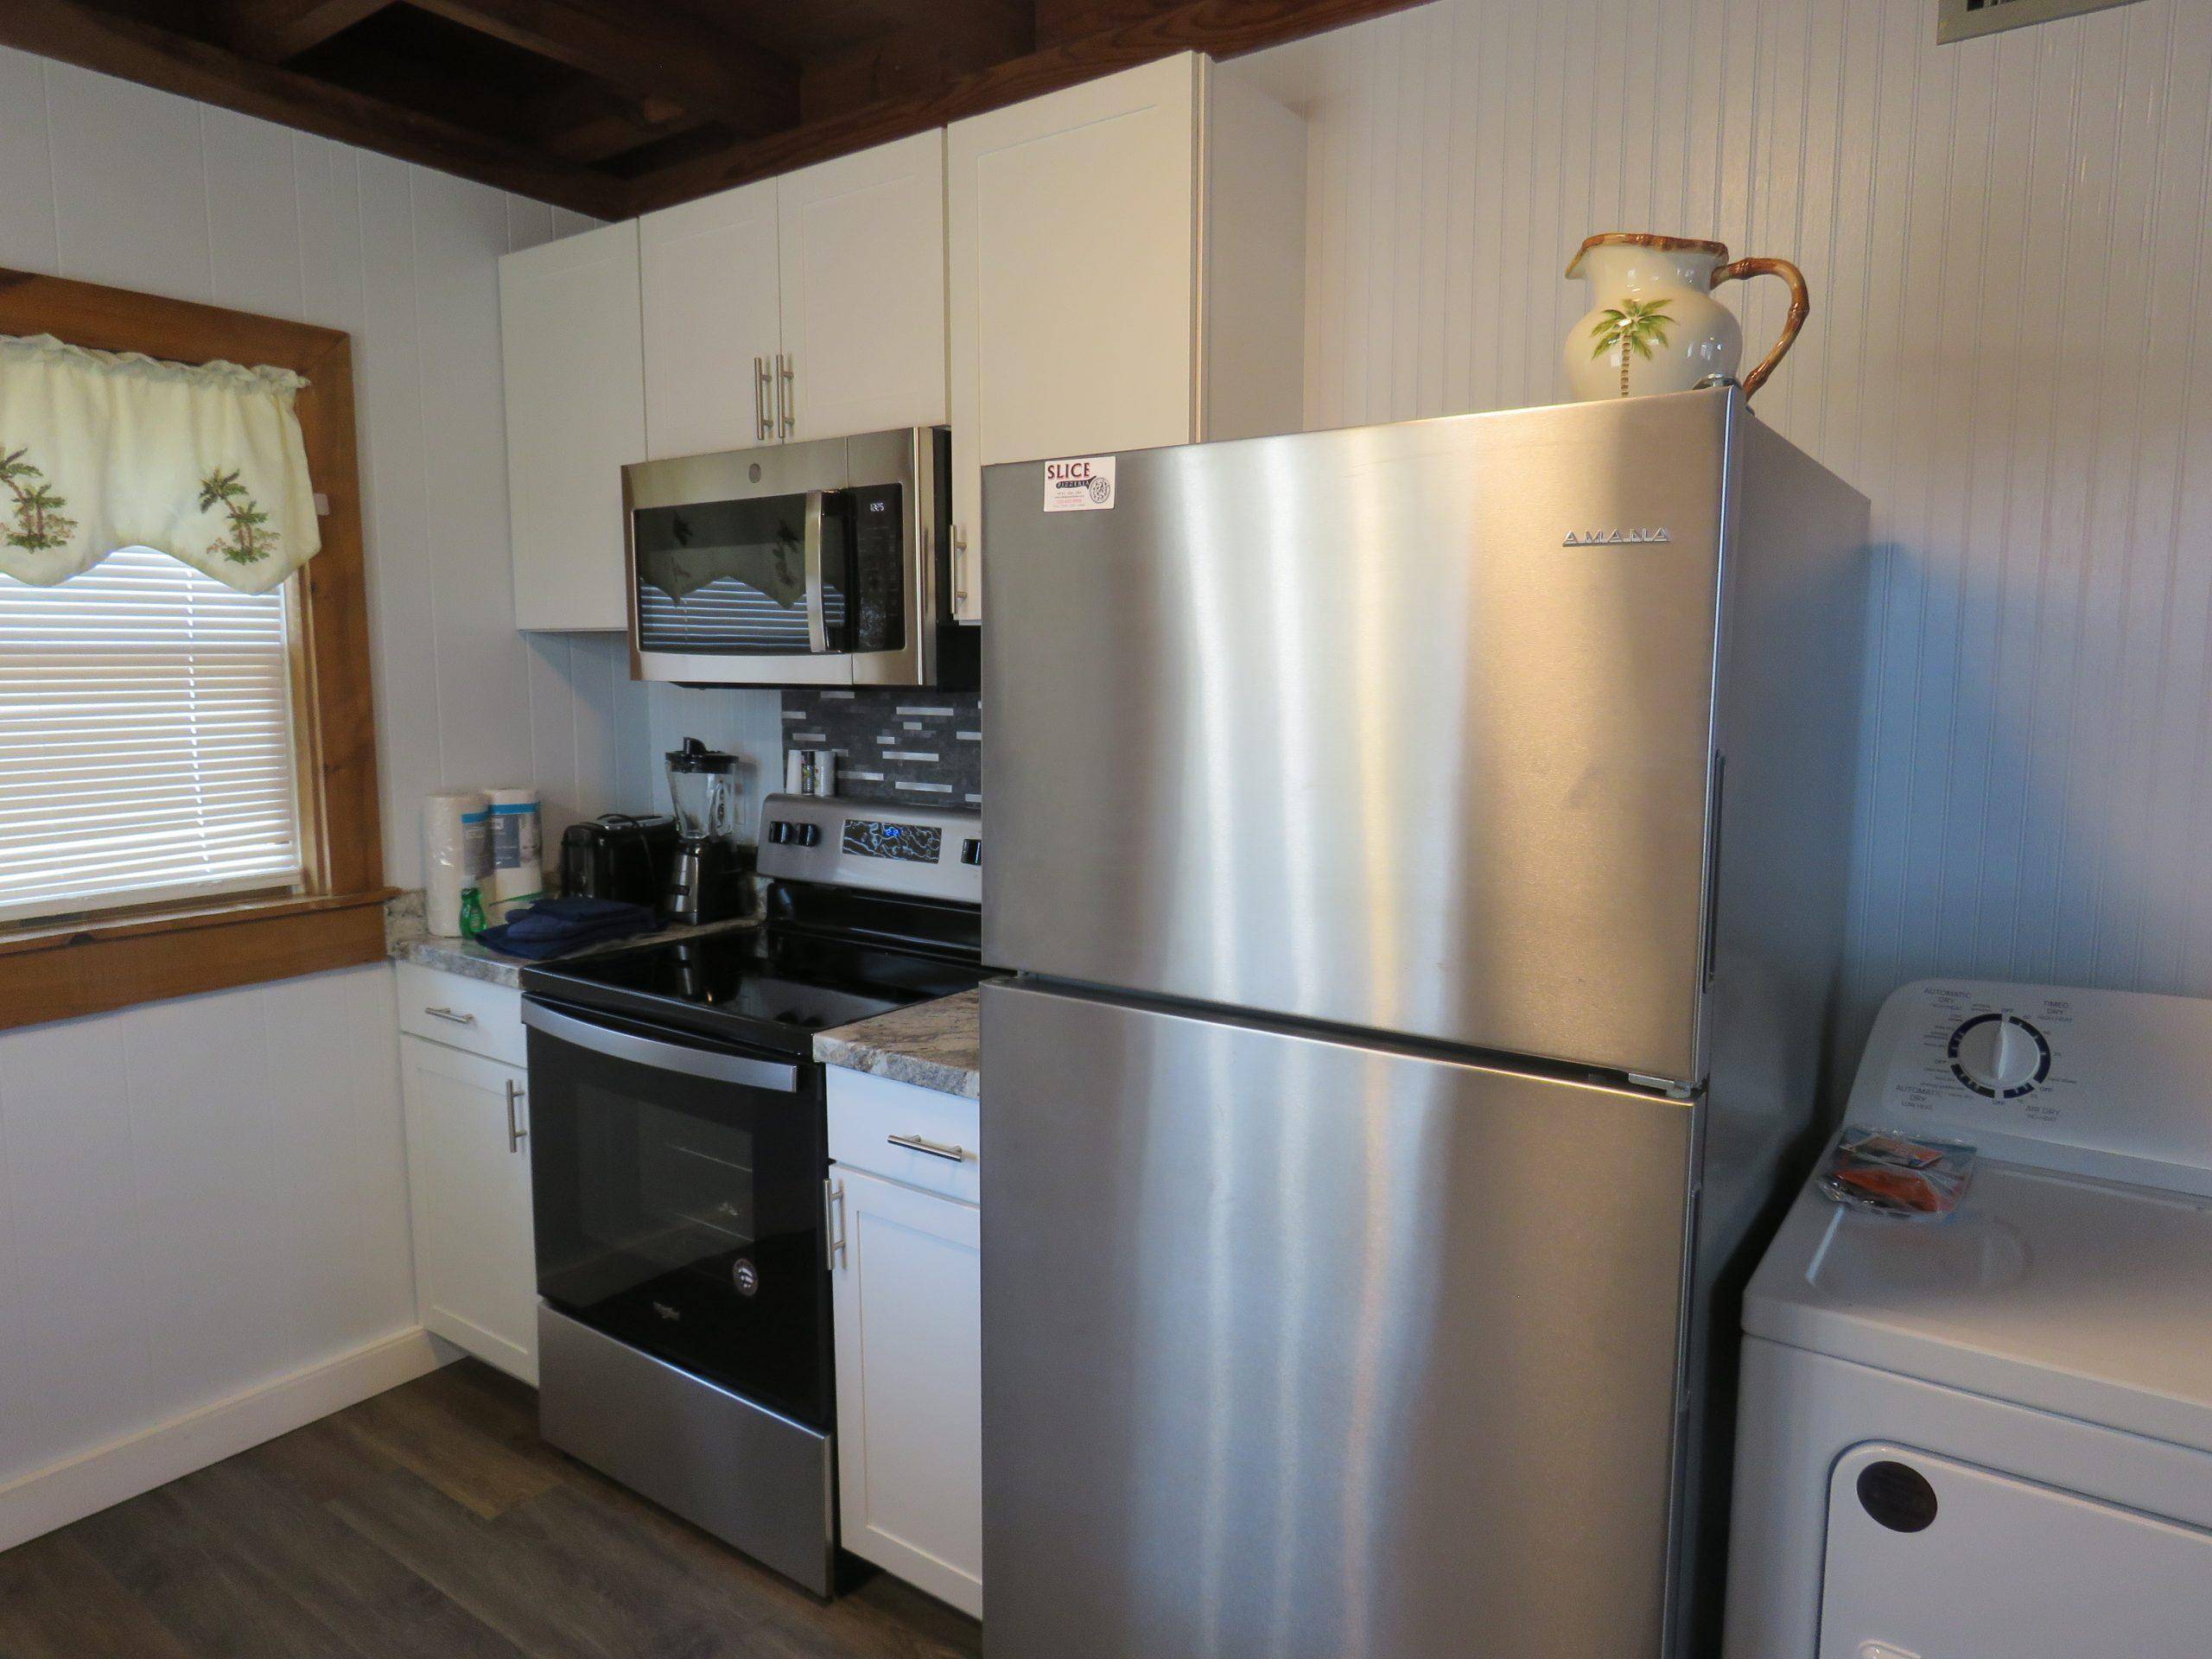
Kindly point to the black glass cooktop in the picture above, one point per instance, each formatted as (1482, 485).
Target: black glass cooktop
(770, 985)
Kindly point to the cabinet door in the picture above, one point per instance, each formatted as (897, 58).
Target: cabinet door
(907, 1297)
(710, 302)
(862, 246)
(576, 417)
(1072, 231)
(468, 1184)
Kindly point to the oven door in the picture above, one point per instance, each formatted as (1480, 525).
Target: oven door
(677, 1196)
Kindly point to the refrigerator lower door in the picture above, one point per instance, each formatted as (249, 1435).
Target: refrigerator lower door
(1297, 1348)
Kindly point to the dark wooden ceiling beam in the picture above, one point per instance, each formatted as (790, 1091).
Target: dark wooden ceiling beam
(273, 30)
(74, 33)
(1131, 32)
(589, 125)
(662, 53)
(994, 30)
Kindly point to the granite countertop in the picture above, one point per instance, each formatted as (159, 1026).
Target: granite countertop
(405, 940)
(932, 1044)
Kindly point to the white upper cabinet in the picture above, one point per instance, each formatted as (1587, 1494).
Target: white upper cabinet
(576, 405)
(809, 306)
(1126, 263)
(863, 245)
(710, 281)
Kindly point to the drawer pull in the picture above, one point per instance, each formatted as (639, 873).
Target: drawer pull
(453, 1016)
(930, 1148)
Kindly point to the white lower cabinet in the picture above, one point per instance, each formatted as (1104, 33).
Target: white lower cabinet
(907, 1296)
(468, 1189)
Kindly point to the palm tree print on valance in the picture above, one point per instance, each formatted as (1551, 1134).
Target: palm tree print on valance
(38, 523)
(249, 541)
(102, 450)
(1634, 327)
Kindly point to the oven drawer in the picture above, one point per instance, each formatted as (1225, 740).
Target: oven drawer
(465, 1014)
(869, 1116)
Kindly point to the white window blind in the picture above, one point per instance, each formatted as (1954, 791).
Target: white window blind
(146, 747)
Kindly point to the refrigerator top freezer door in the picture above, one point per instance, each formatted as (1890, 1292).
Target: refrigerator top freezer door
(1300, 1349)
(1405, 727)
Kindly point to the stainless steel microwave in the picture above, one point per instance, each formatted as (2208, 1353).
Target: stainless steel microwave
(821, 563)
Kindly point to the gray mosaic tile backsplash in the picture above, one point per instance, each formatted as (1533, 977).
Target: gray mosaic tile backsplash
(894, 745)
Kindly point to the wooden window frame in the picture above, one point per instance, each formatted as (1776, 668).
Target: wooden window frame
(90, 965)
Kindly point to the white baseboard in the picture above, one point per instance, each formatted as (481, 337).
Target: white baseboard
(91, 1480)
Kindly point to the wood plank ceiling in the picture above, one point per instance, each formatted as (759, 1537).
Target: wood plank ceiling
(615, 107)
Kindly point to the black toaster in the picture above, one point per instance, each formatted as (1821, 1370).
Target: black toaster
(617, 857)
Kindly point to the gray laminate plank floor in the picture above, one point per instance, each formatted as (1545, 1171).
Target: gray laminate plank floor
(429, 1522)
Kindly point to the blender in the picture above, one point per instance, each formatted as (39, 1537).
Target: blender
(706, 878)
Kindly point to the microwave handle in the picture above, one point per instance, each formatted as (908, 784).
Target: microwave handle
(817, 625)
(662, 1056)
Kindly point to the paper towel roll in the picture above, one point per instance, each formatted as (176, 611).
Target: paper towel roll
(515, 846)
(456, 854)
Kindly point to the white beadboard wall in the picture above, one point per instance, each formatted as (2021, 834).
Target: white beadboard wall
(199, 1200)
(2006, 242)
(203, 1204)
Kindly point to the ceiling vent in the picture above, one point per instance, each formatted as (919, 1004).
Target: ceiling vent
(1963, 20)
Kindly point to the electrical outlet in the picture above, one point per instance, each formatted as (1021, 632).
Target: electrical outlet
(1963, 20)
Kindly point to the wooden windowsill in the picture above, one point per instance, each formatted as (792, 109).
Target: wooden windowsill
(96, 965)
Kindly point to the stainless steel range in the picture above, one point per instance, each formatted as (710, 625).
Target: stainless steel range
(679, 1152)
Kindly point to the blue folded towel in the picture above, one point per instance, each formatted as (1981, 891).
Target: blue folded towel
(552, 926)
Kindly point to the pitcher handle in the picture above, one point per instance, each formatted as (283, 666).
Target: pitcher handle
(1800, 306)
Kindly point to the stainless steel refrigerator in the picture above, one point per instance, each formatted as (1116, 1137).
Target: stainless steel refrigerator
(1423, 850)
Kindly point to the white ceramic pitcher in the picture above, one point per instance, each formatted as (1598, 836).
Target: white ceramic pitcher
(1654, 325)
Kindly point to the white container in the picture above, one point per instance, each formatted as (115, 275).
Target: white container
(516, 866)
(456, 854)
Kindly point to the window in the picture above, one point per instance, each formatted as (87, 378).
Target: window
(146, 743)
(187, 772)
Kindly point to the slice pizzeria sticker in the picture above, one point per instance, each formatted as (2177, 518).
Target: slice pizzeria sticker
(1084, 484)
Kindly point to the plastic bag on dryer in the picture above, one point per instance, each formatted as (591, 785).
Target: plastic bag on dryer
(1890, 1173)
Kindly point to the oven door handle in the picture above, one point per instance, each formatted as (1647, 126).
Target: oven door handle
(817, 625)
(663, 1057)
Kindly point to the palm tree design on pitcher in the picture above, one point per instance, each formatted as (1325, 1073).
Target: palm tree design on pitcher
(40, 523)
(1634, 327)
(248, 541)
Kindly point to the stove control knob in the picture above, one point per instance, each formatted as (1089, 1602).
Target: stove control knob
(780, 831)
(809, 834)
(2000, 1055)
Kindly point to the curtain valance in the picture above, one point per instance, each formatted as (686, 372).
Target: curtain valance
(101, 450)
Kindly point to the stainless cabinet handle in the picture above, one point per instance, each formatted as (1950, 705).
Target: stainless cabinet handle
(931, 1148)
(516, 1134)
(453, 1016)
(762, 426)
(959, 567)
(833, 1212)
(787, 391)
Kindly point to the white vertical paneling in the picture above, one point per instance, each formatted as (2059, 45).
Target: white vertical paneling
(27, 194)
(200, 1197)
(255, 236)
(130, 183)
(2008, 243)
(76, 1316)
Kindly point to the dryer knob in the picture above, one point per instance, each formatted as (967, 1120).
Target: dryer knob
(1999, 1054)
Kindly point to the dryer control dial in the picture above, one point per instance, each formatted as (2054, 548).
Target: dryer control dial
(2000, 1055)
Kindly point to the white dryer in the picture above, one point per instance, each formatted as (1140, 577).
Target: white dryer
(1990, 1438)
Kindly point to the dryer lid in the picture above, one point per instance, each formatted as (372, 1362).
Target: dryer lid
(2062, 1291)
